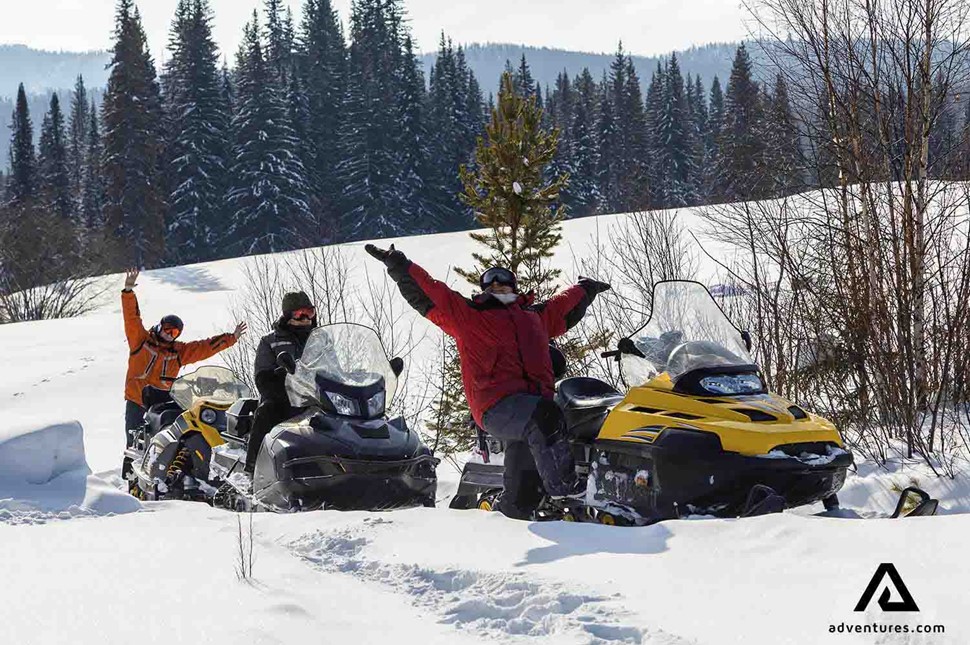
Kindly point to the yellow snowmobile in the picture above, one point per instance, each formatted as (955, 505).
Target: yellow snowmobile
(696, 433)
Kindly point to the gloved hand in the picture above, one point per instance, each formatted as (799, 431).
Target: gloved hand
(593, 287)
(390, 257)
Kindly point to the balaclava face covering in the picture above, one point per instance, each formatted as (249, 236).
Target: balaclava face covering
(506, 298)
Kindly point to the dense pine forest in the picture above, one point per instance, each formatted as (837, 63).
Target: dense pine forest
(314, 136)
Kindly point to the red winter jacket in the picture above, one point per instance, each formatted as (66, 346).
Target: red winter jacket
(504, 350)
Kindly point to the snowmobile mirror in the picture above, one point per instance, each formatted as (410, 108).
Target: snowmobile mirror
(287, 362)
(397, 365)
(627, 346)
(746, 337)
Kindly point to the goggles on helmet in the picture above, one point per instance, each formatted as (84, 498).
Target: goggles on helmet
(303, 313)
(499, 275)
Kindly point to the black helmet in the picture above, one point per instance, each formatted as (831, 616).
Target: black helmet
(170, 321)
(500, 275)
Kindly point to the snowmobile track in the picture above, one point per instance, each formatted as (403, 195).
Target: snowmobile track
(509, 607)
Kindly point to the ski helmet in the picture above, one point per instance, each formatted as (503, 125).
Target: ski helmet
(500, 275)
(171, 322)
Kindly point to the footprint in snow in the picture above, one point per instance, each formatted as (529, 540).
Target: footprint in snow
(503, 605)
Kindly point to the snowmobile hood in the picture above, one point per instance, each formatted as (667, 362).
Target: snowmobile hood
(748, 425)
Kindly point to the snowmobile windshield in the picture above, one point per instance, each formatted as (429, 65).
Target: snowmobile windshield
(687, 331)
(216, 385)
(347, 354)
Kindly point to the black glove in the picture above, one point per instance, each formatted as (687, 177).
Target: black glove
(378, 253)
(390, 257)
(593, 287)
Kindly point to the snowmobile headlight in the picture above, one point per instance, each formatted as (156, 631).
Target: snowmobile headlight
(732, 384)
(375, 404)
(208, 416)
(344, 405)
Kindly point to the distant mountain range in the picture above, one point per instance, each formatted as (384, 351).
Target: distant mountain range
(43, 72)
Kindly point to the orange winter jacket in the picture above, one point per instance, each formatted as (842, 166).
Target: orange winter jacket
(153, 361)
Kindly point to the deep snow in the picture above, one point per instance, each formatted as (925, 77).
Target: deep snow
(166, 574)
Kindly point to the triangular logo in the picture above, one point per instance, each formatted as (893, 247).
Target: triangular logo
(906, 604)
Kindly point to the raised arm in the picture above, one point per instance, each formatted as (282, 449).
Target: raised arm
(199, 350)
(431, 298)
(560, 313)
(135, 330)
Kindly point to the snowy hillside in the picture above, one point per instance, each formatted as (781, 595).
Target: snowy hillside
(84, 562)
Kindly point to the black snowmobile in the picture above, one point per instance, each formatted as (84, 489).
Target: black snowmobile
(340, 452)
(696, 433)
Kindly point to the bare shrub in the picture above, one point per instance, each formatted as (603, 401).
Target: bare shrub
(245, 541)
(42, 272)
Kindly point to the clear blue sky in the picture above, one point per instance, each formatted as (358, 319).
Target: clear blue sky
(645, 26)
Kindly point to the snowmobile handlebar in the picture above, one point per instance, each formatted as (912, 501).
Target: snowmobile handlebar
(286, 361)
(625, 346)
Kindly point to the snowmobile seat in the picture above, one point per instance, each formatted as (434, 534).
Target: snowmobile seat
(585, 402)
(161, 415)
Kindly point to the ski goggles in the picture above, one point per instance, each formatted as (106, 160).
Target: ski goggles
(304, 313)
(171, 331)
(499, 275)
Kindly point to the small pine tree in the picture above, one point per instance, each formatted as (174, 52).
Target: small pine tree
(510, 195)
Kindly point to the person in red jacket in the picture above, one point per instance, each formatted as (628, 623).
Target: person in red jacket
(503, 345)
(156, 355)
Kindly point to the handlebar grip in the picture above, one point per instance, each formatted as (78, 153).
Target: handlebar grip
(612, 354)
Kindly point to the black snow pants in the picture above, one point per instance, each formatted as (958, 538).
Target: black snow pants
(269, 414)
(537, 453)
(134, 419)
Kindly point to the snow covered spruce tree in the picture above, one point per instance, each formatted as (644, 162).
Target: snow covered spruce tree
(741, 147)
(55, 184)
(675, 138)
(197, 137)
(77, 140)
(381, 135)
(134, 201)
(268, 193)
(323, 69)
(21, 184)
(627, 187)
(92, 183)
(584, 193)
(456, 117)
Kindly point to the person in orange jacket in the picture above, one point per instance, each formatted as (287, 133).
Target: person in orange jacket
(156, 354)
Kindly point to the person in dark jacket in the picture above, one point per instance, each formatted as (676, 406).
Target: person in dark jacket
(289, 335)
(503, 344)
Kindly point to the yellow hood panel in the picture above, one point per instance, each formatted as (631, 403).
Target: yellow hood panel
(647, 409)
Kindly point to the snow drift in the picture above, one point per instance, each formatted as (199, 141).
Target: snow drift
(44, 474)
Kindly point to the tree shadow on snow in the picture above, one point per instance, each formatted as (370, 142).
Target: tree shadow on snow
(572, 539)
(194, 279)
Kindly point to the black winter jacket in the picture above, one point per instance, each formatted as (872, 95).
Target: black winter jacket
(270, 377)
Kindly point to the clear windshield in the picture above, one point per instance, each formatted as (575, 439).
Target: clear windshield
(217, 385)
(346, 353)
(686, 331)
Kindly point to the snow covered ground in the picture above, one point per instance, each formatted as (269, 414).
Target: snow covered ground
(83, 562)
